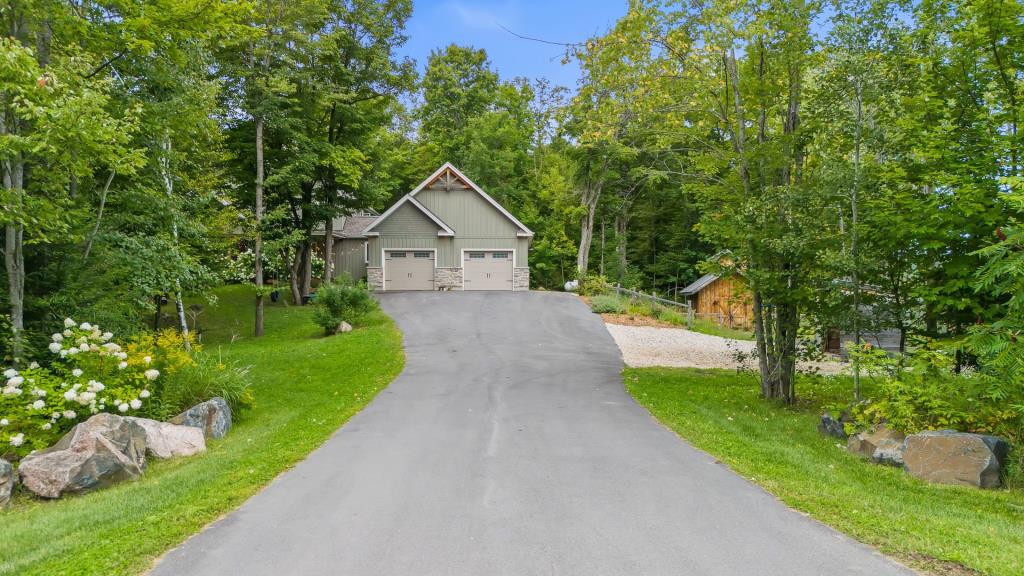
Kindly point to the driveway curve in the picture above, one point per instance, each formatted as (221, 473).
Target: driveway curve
(509, 446)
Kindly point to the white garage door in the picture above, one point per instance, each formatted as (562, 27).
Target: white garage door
(487, 269)
(408, 270)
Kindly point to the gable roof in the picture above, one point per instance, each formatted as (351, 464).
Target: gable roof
(445, 230)
(699, 285)
(447, 168)
(355, 226)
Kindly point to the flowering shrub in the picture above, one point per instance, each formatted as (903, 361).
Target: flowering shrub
(90, 374)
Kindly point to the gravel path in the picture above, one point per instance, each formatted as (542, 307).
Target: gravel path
(643, 346)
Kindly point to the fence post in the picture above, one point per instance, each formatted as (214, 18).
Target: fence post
(689, 316)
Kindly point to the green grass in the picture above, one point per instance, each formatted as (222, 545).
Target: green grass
(306, 386)
(712, 328)
(928, 526)
(613, 303)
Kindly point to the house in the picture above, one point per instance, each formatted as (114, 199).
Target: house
(446, 234)
(350, 244)
(723, 299)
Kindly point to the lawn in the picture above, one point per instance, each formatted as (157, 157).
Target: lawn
(306, 386)
(940, 529)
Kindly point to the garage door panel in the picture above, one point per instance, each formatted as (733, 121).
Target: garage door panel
(408, 270)
(487, 269)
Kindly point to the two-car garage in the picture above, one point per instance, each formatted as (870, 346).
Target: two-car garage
(481, 269)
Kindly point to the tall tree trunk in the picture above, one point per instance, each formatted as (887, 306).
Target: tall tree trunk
(168, 178)
(307, 267)
(854, 244)
(293, 275)
(258, 243)
(621, 229)
(14, 254)
(99, 215)
(328, 251)
(590, 198)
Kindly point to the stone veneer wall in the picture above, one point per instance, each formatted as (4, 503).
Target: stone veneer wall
(375, 277)
(448, 278)
(521, 279)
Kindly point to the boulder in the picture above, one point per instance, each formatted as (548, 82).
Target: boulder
(949, 457)
(101, 451)
(343, 327)
(166, 440)
(213, 417)
(7, 480)
(830, 426)
(882, 445)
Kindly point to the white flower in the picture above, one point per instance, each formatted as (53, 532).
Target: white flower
(4, 422)
(33, 366)
(122, 365)
(106, 336)
(85, 326)
(70, 414)
(86, 397)
(70, 395)
(152, 374)
(11, 391)
(68, 322)
(38, 404)
(47, 426)
(63, 353)
(39, 392)
(122, 408)
(136, 404)
(16, 381)
(147, 359)
(144, 394)
(10, 373)
(95, 386)
(71, 351)
(82, 340)
(55, 347)
(58, 337)
(84, 347)
(68, 333)
(77, 372)
(18, 439)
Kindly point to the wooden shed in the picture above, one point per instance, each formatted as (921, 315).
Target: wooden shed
(722, 299)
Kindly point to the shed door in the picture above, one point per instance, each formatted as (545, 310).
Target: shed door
(408, 270)
(487, 269)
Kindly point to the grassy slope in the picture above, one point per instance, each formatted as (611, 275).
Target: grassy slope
(779, 448)
(306, 386)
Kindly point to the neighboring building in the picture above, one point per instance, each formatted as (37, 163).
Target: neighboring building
(723, 299)
(350, 244)
(447, 234)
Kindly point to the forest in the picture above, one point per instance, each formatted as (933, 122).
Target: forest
(851, 155)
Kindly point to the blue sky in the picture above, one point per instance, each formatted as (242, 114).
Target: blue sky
(437, 23)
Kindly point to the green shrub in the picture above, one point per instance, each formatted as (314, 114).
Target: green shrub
(206, 377)
(593, 284)
(607, 304)
(341, 301)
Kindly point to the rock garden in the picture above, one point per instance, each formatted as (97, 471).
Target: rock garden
(93, 411)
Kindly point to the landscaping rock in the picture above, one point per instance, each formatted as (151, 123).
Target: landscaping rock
(101, 451)
(166, 440)
(829, 426)
(882, 445)
(213, 417)
(949, 457)
(343, 327)
(7, 480)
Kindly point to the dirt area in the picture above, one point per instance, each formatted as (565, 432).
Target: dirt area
(680, 348)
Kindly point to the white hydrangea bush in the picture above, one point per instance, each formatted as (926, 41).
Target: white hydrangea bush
(89, 373)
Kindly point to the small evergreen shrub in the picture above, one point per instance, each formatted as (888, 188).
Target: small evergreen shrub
(607, 304)
(341, 301)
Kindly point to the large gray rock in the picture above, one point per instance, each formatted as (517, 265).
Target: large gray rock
(213, 417)
(949, 457)
(166, 440)
(881, 445)
(7, 480)
(101, 451)
(830, 426)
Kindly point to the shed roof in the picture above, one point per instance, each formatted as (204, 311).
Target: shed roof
(700, 284)
(355, 225)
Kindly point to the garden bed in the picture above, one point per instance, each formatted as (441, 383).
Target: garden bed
(305, 386)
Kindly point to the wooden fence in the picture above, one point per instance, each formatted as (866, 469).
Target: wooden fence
(654, 299)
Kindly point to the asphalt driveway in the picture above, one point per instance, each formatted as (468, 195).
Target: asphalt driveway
(509, 446)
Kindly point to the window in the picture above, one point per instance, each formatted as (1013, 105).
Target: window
(499, 255)
(396, 254)
(476, 255)
(421, 254)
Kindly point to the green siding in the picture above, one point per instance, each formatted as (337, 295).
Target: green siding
(408, 220)
(518, 244)
(467, 213)
(442, 245)
(348, 257)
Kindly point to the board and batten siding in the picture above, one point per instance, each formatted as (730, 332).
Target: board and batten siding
(349, 257)
(467, 213)
(408, 220)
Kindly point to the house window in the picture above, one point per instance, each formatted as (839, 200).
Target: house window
(421, 254)
(499, 255)
(396, 254)
(476, 255)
